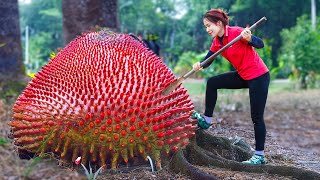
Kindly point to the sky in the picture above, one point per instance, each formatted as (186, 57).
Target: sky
(180, 8)
(25, 1)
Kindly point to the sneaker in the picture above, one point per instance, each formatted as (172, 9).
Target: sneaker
(255, 160)
(201, 121)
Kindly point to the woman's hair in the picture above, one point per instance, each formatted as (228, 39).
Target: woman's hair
(215, 15)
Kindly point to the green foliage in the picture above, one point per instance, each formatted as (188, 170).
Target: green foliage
(280, 14)
(265, 53)
(42, 16)
(301, 51)
(44, 19)
(187, 59)
(218, 66)
(3, 141)
(11, 90)
(53, 12)
(178, 34)
(282, 71)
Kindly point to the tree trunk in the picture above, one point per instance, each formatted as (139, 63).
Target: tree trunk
(303, 82)
(313, 14)
(10, 42)
(80, 16)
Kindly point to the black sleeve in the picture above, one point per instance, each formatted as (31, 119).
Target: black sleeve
(207, 56)
(256, 42)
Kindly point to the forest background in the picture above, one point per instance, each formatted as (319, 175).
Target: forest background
(291, 34)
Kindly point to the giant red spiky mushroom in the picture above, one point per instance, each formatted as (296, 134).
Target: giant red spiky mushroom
(100, 98)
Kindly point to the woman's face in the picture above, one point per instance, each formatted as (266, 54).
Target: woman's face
(213, 29)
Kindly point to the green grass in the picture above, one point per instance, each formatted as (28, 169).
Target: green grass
(199, 87)
(195, 88)
(281, 86)
(3, 141)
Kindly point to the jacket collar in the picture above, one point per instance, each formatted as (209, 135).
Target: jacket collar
(216, 39)
(226, 28)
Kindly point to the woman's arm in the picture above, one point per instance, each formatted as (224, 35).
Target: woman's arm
(207, 56)
(256, 42)
(196, 66)
(252, 40)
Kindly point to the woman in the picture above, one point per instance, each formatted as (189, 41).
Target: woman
(251, 73)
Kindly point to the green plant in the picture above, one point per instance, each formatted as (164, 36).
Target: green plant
(189, 58)
(11, 89)
(90, 175)
(301, 51)
(185, 62)
(32, 163)
(265, 53)
(3, 141)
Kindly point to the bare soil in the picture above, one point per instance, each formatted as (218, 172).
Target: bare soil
(293, 131)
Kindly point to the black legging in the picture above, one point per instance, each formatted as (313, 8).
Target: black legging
(258, 91)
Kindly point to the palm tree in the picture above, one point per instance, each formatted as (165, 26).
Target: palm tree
(80, 16)
(10, 42)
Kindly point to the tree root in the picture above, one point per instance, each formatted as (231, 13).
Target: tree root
(211, 151)
(179, 164)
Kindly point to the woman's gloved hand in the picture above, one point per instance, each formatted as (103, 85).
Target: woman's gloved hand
(196, 67)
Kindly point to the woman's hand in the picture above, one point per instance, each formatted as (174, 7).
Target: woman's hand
(197, 67)
(246, 34)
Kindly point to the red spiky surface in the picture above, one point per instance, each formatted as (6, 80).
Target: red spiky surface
(100, 98)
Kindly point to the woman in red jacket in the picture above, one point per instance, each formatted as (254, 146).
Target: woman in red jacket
(251, 73)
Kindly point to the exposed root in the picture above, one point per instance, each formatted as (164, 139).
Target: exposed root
(211, 151)
(180, 164)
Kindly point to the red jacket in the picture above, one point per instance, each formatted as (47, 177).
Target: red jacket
(241, 55)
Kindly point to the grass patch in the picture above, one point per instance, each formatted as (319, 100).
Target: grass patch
(196, 88)
(281, 86)
(3, 141)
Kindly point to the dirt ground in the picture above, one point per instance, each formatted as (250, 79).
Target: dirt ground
(293, 131)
